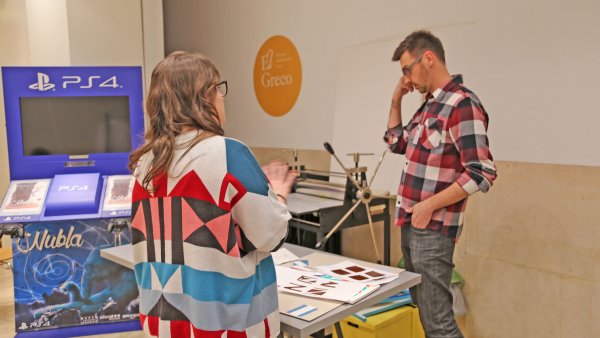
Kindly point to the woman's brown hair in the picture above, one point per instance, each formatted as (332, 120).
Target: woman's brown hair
(181, 96)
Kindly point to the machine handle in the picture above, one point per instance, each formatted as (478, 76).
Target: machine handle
(329, 148)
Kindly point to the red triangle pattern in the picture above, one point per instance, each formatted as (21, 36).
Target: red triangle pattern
(241, 191)
(235, 251)
(220, 229)
(191, 186)
(159, 184)
(138, 221)
(139, 193)
(190, 221)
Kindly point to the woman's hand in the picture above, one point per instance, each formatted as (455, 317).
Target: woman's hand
(280, 177)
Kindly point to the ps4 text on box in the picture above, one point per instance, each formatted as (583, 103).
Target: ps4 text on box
(44, 82)
(74, 194)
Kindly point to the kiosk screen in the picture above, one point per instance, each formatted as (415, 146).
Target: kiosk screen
(75, 125)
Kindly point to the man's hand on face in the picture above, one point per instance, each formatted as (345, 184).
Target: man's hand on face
(403, 87)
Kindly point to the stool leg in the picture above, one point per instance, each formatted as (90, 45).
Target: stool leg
(319, 334)
(338, 330)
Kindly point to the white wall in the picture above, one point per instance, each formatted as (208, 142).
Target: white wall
(106, 33)
(533, 64)
(48, 32)
(153, 33)
(361, 100)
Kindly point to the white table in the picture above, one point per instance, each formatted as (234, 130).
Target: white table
(297, 327)
(300, 328)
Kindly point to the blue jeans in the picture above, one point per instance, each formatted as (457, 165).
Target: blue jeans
(429, 254)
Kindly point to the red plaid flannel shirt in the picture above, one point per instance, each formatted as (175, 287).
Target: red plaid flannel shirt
(445, 142)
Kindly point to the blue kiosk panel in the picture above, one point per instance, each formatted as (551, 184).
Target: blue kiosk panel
(70, 131)
(67, 120)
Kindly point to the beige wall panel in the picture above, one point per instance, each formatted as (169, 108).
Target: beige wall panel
(312, 159)
(539, 216)
(579, 303)
(528, 253)
(507, 300)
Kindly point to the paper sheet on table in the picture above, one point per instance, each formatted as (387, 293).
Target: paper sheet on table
(317, 285)
(283, 255)
(305, 308)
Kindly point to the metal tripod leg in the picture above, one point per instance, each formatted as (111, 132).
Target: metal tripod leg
(372, 226)
(321, 242)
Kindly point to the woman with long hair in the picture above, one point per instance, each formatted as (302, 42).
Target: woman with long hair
(205, 216)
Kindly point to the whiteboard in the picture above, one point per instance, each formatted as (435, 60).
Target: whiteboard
(366, 79)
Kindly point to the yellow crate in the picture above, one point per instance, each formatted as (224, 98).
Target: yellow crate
(402, 322)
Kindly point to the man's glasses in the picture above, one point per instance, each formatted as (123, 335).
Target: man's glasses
(408, 69)
(222, 88)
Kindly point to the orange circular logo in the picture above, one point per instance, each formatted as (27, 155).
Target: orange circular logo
(277, 75)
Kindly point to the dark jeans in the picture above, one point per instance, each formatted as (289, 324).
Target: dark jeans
(429, 254)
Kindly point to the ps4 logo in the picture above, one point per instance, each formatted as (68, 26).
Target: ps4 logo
(120, 213)
(43, 83)
(17, 218)
(73, 188)
(69, 81)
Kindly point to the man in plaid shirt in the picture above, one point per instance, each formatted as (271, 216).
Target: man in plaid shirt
(447, 159)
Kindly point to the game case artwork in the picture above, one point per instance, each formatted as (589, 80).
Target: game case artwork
(25, 197)
(118, 192)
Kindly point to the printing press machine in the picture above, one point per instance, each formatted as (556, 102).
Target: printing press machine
(321, 207)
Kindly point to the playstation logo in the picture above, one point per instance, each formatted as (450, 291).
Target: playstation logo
(43, 83)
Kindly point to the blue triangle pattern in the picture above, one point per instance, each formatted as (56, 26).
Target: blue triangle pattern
(164, 271)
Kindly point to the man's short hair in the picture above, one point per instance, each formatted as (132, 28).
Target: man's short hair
(417, 43)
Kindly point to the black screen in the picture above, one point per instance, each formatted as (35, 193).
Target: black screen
(79, 125)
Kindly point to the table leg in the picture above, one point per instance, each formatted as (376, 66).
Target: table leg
(387, 236)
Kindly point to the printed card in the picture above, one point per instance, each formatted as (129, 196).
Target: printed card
(350, 271)
(317, 285)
